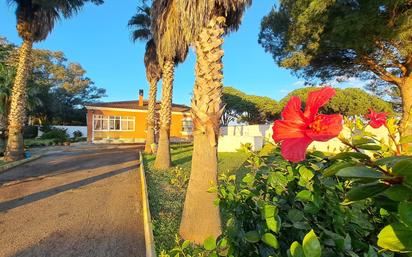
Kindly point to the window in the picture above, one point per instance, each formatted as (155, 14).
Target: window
(187, 126)
(113, 123)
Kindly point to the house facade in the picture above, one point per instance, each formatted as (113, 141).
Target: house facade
(126, 122)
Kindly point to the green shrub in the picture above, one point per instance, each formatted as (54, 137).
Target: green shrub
(58, 135)
(30, 131)
(77, 134)
(357, 203)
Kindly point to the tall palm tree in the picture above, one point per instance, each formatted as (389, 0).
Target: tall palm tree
(141, 24)
(204, 24)
(35, 20)
(171, 50)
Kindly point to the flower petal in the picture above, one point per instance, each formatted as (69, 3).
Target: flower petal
(377, 119)
(293, 110)
(294, 150)
(287, 129)
(317, 99)
(325, 127)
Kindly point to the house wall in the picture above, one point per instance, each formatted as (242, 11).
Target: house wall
(232, 137)
(139, 134)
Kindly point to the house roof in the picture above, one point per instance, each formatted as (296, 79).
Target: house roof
(134, 105)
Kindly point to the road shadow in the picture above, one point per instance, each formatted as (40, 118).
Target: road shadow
(66, 162)
(8, 205)
(127, 242)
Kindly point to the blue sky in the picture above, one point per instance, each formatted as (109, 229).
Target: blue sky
(98, 38)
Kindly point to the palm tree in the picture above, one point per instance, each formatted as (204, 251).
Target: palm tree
(204, 24)
(35, 20)
(171, 50)
(141, 24)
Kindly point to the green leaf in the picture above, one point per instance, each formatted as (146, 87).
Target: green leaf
(390, 161)
(273, 224)
(370, 147)
(398, 193)
(362, 141)
(305, 173)
(269, 211)
(296, 250)
(359, 172)
(249, 178)
(295, 215)
(311, 245)
(365, 191)
(395, 237)
(330, 171)
(210, 243)
(305, 196)
(270, 240)
(403, 168)
(350, 155)
(405, 213)
(252, 236)
(185, 244)
(278, 181)
(372, 252)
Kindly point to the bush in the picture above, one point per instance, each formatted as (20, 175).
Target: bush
(77, 134)
(30, 131)
(58, 135)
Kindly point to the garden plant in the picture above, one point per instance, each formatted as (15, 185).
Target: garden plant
(298, 203)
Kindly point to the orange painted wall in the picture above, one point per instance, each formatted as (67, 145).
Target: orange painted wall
(140, 125)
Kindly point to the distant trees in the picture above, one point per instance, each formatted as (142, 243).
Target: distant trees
(348, 101)
(35, 20)
(57, 89)
(371, 40)
(251, 109)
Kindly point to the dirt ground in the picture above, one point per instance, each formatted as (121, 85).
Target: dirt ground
(84, 201)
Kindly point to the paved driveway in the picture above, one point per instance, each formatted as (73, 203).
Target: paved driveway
(84, 201)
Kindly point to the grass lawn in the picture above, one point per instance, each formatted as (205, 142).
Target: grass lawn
(167, 190)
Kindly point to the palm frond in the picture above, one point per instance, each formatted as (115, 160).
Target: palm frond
(196, 14)
(168, 31)
(153, 70)
(36, 18)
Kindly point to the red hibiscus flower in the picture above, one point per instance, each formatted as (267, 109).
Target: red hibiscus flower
(377, 119)
(299, 128)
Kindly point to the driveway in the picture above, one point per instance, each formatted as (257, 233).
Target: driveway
(84, 201)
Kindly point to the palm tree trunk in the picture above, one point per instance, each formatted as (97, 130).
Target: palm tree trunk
(406, 94)
(201, 217)
(151, 114)
(17, 115)
(163, 160)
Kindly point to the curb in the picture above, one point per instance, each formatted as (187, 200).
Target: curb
(11, 165)
(147, 220)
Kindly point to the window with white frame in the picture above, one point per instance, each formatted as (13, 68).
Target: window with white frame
(113, 123)
(187, 125)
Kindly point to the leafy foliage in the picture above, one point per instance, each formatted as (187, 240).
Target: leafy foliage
(355, 203)
(348, 101)
(321, 39)
(57, 89)
(247, 108)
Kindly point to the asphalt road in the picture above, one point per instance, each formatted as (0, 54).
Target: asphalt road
(84, 201)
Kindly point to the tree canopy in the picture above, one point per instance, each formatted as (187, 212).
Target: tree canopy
(57, 88)
(324, 39)
(348, 101)
(247, 108)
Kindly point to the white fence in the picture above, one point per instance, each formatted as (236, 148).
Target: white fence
(232, 138)
(70, 130)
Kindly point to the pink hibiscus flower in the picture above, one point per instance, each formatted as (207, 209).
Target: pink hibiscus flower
(298, 128)
(377, 119)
